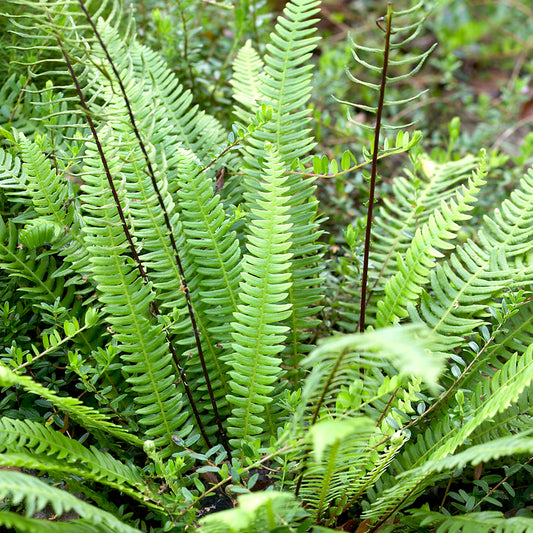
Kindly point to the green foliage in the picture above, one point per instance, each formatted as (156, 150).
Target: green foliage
(170, 341)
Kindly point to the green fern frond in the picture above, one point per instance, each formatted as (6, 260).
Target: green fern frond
(340, 453)
(84, 415)
(338, 361)
(414, 198)
(413, 271)
(521, 444)
(35, 494)
(491, 397)
(277, 509)
(13, 177)
(215, 252)
(23, 524)
(247, 69)
(258, 330)
(285, 85)
(476, 273)
(483, 522)
(27, 444)
(128, 301)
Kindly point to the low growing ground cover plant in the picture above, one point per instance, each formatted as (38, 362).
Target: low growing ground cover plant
(166, 365)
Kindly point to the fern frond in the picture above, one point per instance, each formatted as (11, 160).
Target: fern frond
(215, 252)
(247, 69)
(340, 453)
(483, 522)
(413, 271)
(285, 86)
(35, 494)
(414, 198)
(476, 273)
(278, 509)
(258, 332)
(128, 300)
(23, 524)
(84, 415)
(27, 444)
(338, 361)
(490, 398)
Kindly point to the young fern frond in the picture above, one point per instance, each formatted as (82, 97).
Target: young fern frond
(258, 329)
(341, 453)
(334, 368)
(413, 271)
(37, 494)
(247, 69)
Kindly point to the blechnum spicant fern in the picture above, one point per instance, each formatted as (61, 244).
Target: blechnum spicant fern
(174, 271)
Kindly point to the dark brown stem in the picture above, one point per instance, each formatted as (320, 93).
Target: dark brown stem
(173, 244)
(373, 173)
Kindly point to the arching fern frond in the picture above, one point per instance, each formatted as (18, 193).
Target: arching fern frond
(413, 270)
(491, 397)
(36, 494)
(483, 522)
(27, 444)
(475, 273)
(521, 444)
(84, 415)
(414, 198)
(23, 524)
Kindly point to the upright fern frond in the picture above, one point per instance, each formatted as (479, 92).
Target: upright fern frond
(285, 86)
(215, 251)
(258, 330)
(150, 367)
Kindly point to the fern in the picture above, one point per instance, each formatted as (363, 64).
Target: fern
(285, 86)
(36, 494)
(87, 416)
(258, 332)
(489, 399)
(28, 444)
(413, 271)
(485, 522)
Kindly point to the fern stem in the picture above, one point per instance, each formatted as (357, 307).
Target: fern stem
(184, 286)
(373, 174)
